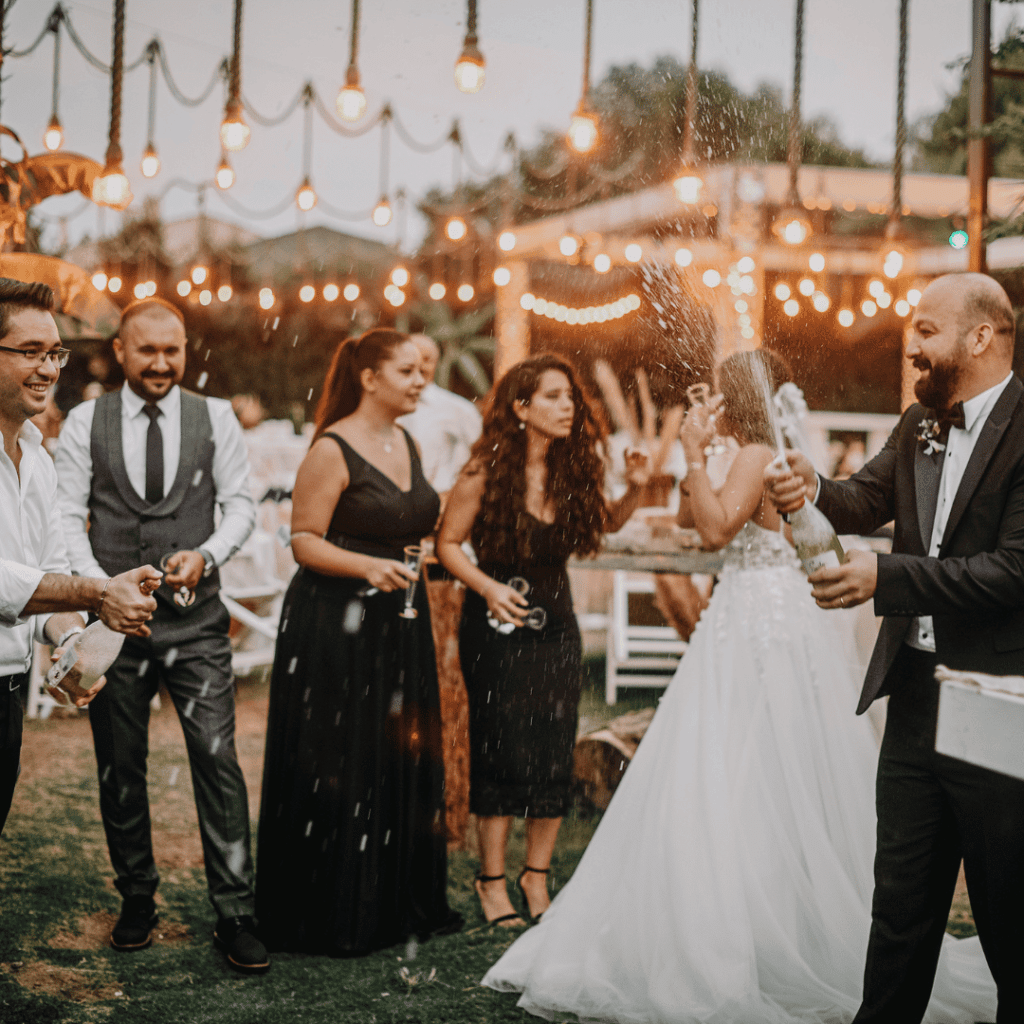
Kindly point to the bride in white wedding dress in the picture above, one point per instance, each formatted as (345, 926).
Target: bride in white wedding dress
(730, 879)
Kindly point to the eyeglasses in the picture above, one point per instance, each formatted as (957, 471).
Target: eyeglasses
(59, 356)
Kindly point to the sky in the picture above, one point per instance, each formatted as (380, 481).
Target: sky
(407, 49)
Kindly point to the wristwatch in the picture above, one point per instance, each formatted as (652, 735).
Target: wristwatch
(210, 563)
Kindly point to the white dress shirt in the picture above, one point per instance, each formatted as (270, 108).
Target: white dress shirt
(230, 471)
(31, 545)
(446, 427)
(958, 451)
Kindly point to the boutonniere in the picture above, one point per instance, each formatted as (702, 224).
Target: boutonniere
(928, 433)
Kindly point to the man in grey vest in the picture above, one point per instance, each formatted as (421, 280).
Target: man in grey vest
(141, 471)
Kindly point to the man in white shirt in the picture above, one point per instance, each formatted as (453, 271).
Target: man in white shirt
(35, 580)
(444, 424)
(141, 474)
(951, 479)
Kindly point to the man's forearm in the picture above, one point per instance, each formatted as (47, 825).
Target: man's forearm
(59, 593)
(58, 624)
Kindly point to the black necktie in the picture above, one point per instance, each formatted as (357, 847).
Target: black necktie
(154, 457)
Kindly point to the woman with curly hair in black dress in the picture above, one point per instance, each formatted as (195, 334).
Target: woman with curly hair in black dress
(528, 499)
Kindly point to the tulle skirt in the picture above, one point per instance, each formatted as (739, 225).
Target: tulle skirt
(730, 879)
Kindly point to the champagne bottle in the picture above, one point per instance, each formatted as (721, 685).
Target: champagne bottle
(87, 656)
(816, 542)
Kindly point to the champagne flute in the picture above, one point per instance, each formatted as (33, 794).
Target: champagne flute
(183, 597)
(414, 555)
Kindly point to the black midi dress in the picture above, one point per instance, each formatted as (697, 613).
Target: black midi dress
(352, 850)
(524, 689)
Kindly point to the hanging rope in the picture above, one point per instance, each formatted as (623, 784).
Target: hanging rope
(151, 122)
(794, 149)
(307, 132)
(385, 150)
(419, 147)
(220, 72)
(244, 211)
(235, 72)
(56, 13)
(84, 50)
(353, 38)
(273, 122)
(55, 29)
(691, 90)
(896, 210)
(588, 31)
(114, 154)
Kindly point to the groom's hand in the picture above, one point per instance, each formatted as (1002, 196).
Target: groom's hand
(846, 585)
(791, 485)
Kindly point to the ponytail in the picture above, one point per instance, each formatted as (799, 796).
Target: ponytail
(343, 389)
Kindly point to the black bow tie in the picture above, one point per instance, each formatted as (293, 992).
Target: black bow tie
(953, 418)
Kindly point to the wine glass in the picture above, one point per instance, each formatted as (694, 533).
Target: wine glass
(414, 555)
(522, 588)
(183, 597)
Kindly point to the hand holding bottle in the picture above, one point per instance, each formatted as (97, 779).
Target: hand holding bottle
(67, 691)
(127, 602)
(789, 485)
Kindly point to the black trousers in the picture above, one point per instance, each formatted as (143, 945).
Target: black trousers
(932, 811)
(10, 739)
(197, 673)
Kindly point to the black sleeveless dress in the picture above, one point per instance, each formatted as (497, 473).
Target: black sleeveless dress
(524, 690)
(352, 849)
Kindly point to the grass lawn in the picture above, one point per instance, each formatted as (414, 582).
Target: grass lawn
(58, 905)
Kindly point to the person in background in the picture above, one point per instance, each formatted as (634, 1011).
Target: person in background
(249, 410)
(39, 598)
(444, 425)
(352, 853)
(142, 471)
(529, 498)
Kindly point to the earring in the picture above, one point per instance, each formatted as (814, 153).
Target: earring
(522, 425)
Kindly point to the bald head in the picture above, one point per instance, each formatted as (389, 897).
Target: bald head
(979, 300)
(151, 348)
(429, 354)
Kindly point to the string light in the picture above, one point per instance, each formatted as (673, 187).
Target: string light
(893, 263)
(568, 245)
(791, 307)
(184, 287)
(331, 292)
(845, 317)
(53, 137)
(745, 265)
(266, 298)
(465, 292)
(114, 285)
(806, 286)
(351, 292)
(602, 263)
(502, 276)
(224, 292)
(199, 273)
(633, 252)
(792, 227)
(99, 280)
(884, 300)
(583, 129)
(306, 197)
(684, 257)
(234, 132)
(816, 262)
(150, 288)
(205, 297)
(351, 100)
(382, 212)
(875, 288)
(688, 188)
(587, 315)
(140, 290)
(225, 176)
(400, 277)
(394, 295)
(506, 241)
(913, 296)
(437, 291)
(307, 293)
(821, 301)
(901, 307)
(150, 164)
(712, 278)
(868, 308)
(782, 291)
(469, 68)
(455, 229)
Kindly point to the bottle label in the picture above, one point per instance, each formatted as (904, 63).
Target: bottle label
(826, 560)
(63, 666)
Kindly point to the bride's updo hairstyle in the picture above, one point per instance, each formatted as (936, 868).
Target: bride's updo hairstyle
(741, 381)
(343, 389)
(575, 469)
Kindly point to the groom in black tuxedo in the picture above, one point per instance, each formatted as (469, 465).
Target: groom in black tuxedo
(951, 476)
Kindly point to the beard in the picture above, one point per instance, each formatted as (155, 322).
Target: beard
(937, 389)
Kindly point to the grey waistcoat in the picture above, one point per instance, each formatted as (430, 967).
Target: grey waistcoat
(125, 531)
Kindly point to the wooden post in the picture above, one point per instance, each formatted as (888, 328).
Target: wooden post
(977, 145)
(511, 321)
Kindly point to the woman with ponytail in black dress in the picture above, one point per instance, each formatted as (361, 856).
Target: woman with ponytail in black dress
(352, 848)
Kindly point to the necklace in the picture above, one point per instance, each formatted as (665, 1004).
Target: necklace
(388, 441)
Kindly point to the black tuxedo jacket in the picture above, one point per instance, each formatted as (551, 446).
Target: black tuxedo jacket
(974, 589)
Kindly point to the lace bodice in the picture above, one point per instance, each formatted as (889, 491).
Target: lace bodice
(754, 547)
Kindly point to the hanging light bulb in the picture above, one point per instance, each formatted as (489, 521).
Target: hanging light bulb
(184, 287)
(792, 225)
(112, 187)
(351, 101)
(437, 291)
(502, 276)
(456, 228)
(465, 292)
(307, 293)
(382, 212)
(53, 137)
(568, 245)
(234, 132)
(99, 280)
(225, 176)
(114, 284)
(150, 162)
(845, 317)
(469, 68)
(892, 263)
(199, 273)
(351, 292)
(331, 292)
(688, 187)
(224, 292)
(266, 298)
(305, 197)
(583, 133)
(602, 263)
(400, 276)
(506, 241)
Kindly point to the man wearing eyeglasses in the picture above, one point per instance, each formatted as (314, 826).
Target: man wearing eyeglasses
(38, 595)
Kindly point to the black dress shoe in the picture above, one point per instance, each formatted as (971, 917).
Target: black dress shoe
(135, 925)
(236, 936)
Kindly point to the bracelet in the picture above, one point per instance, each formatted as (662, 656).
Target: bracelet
(68, 634)
(103, 595)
